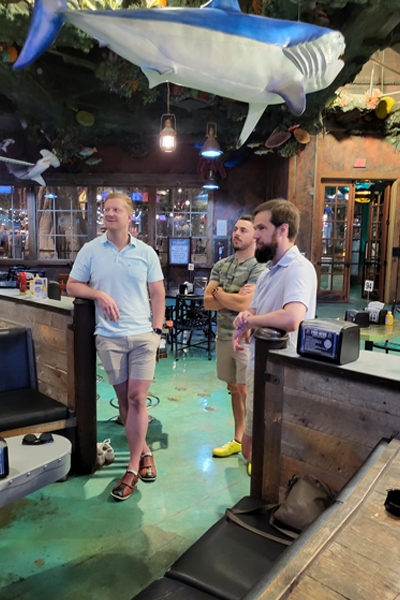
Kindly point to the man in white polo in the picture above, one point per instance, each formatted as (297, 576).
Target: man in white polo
(124, 275)
(285, 293)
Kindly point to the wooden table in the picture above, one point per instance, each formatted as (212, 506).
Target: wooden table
(356, 554)
(379, 333)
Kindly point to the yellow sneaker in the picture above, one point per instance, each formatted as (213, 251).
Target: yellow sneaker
(249, 469)
(232, 447)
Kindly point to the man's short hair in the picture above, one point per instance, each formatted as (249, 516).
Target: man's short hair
(249, 218)
(126, 200)
(282, 211)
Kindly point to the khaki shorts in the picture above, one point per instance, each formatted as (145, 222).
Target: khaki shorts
(231, 365)
(129, 357)
(248, 426)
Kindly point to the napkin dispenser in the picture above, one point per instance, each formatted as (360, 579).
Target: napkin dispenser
(329, 340)
(359, 317)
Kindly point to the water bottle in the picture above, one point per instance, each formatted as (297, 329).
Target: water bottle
(4, 465)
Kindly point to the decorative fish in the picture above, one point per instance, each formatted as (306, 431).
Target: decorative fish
(5, 143)
(34, 171)
(93, 161)
(215, 48)
(86, 152)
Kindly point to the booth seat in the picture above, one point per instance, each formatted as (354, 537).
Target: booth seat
(23, 409)
(231, 563)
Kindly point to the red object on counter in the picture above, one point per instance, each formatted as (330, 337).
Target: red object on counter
(21, 280)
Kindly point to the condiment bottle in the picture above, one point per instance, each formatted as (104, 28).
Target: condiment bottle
(389, 318)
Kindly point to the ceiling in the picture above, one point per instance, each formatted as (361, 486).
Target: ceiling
(41, 106)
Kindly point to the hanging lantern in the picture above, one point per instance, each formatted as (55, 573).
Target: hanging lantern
(168, 129)
(210, 183)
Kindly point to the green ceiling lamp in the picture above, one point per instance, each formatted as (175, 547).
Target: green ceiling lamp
(168, 129)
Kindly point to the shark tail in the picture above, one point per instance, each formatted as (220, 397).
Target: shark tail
(45, 25)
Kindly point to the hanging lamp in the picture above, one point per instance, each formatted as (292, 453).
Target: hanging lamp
(210, 183)
(168, 129)
(211, 148)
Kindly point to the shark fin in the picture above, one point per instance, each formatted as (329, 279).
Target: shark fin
(45, 24)
(253, 116)
(156, 76)
(39, 179)
(223, 5)
(293, 94)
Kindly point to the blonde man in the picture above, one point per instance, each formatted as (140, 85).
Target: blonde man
(124, 275)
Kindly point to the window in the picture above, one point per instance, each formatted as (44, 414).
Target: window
(182, 213)
(14, 229)
(140, 210)
(61, 222)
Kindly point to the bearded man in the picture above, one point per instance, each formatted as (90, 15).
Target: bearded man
(285, 293)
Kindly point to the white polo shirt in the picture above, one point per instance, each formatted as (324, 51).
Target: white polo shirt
(123, 276)
(292, 279)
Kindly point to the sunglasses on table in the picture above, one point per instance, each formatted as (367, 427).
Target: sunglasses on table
(30, 439)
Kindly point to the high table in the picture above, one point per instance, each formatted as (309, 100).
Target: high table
(379, 333)
(34, 467)
(190, 315)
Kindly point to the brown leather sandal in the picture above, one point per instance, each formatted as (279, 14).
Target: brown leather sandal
(147, 469)
(125, 487)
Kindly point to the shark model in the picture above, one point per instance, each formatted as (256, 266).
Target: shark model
(215, 48)
(25, 170)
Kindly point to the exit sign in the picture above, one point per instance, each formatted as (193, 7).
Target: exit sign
(360, 163)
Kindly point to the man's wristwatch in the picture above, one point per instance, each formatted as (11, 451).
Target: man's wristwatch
(157, 330)
(215, 290)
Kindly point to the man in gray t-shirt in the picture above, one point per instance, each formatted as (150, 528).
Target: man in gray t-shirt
(285, 294)
(230, 290)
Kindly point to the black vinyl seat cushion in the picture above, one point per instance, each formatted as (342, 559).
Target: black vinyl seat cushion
(27, 406)
(228, 559)
(169, 589)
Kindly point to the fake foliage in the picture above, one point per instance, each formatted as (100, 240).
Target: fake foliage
(125, 79)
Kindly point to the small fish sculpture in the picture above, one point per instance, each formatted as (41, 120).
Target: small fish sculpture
(215, 49)
(34, 171)
(85, 152)
(93, 161)
(5, 143)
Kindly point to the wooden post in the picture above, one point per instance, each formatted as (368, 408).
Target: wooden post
(85, 387)
(267, 417)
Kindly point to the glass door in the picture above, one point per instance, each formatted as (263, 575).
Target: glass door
(336, 229)
(375, 248)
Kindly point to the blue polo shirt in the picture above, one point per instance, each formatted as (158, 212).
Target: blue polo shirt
(123, 276)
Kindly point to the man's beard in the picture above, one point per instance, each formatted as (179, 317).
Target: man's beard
(266, 252)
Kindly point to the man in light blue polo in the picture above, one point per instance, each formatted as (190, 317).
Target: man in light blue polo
(285, 293)
(124, 275)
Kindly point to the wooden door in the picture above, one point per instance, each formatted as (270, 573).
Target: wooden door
(336, 240)
(375, 250)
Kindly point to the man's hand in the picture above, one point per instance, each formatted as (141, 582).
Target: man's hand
(241, 321)
(240, 335)
(108, 306)
(248, 288)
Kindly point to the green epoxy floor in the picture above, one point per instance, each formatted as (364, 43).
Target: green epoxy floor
(72, 540)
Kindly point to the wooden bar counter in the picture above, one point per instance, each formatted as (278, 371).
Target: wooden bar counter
(60, 374)
(321, 419)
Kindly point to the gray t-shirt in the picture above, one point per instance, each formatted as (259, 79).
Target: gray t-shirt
(292, 279)
(233, 275)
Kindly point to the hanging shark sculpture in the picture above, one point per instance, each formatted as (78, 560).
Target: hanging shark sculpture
(215, 48)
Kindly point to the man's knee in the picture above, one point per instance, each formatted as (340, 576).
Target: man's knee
(233, 387)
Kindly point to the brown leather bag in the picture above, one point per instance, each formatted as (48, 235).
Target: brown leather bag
(306, 498)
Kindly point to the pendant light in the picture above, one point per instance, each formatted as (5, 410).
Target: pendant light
(210, 183)
(211, 148)
(168, 129)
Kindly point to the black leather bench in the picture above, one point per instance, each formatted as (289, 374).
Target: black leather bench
(22, 406)
(231, 563)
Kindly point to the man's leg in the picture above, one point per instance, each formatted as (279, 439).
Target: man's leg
(122, 395)
(238, 394)
(247, 441)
